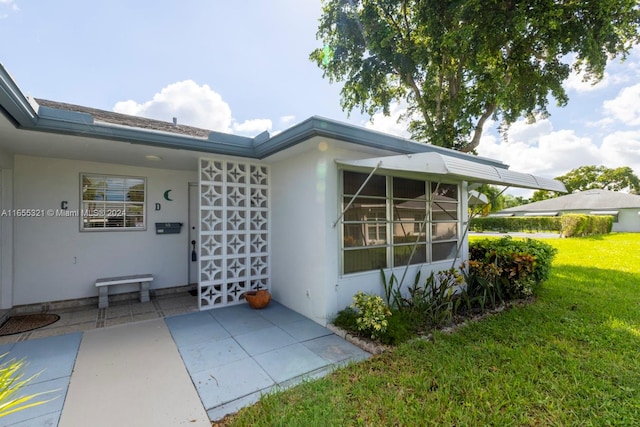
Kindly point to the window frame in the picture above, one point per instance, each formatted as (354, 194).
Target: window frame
(391, 244)
(105, 209)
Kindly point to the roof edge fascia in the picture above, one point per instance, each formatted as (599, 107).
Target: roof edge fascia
(223, 144)
(13, 101)
(328, 128)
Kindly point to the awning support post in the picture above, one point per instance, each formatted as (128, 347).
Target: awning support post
(466, 228)
(423, 226)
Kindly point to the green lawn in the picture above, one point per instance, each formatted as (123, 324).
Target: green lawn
(571, 358)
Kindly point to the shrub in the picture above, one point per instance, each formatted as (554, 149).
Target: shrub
(346, 319)
(516, 266)
(484, 289)
(393, 296)
(585, 225)
(372, 314)
(402, 326)
(435, 301)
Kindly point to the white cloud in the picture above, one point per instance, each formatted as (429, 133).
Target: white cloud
(622, 148)
(529, 133)
(602, 123)
(540, 150)
(285, 120)
(625, 107)
(8, 5)
(190, 103)
(193, 105)
(11, 4)
(578, 82)
(390, 124)
(253, 127)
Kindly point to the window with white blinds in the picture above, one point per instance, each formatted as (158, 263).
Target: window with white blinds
(110, 202)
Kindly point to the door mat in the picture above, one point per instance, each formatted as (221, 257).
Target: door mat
(28, 322)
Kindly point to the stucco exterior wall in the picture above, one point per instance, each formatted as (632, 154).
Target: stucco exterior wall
(54, 260)
(628, 221)
(6, 232)
(302, 267)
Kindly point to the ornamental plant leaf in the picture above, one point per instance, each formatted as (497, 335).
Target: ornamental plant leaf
(12, 383)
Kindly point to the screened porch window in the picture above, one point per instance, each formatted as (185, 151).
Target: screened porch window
(111, 202)
(365, 223)
(397, 221)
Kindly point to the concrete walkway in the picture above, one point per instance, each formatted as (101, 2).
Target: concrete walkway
(133, 376)
(182, 370)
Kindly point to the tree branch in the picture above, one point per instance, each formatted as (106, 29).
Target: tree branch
(418, 94)
(477, 133)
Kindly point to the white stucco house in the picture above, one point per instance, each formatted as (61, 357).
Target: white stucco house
(311, 213)
(623, 207)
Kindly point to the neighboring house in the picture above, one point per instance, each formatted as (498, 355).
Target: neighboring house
(311, 213)
(625, 208)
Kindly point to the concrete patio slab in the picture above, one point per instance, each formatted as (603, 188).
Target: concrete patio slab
(303, 330)
(264, 340)
(212, 354)
(290, 362)
(52, 359)
(195, 328)
(267, 349)
(226, 383)
(335, 349)
(240, 321)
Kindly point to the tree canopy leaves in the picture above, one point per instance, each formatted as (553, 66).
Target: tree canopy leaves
(458, 63)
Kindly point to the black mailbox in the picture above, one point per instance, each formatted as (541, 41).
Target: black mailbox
(168, 227)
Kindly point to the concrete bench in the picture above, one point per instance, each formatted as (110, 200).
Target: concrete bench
(103, 287)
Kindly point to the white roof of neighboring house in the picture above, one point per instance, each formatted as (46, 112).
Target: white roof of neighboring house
(593, 200)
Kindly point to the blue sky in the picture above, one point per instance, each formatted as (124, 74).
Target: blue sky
(242, 67)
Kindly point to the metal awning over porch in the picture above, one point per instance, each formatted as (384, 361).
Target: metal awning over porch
(449, 166)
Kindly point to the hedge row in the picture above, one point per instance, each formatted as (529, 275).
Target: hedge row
(516, 223)
(585, 225)
(569, 225)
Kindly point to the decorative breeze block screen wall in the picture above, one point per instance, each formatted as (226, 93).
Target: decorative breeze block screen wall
(234, 231)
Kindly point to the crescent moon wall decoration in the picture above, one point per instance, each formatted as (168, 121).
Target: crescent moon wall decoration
(166, 196)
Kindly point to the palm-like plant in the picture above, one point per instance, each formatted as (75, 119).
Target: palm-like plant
(11, 383)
